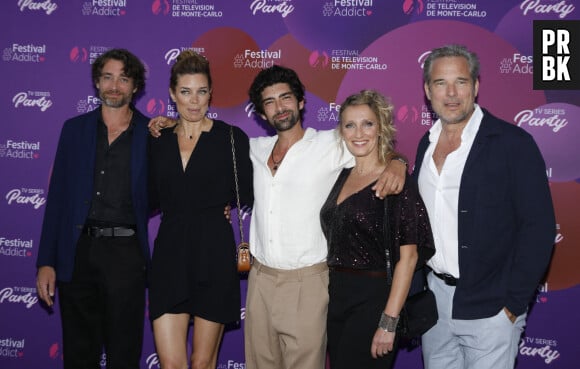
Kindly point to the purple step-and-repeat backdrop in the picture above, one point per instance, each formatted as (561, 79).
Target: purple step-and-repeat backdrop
(337, 47)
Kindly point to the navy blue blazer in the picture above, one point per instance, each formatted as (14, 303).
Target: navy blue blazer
(71, 187)
(506, 221)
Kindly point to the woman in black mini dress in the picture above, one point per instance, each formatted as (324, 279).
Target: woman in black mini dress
(194, 273)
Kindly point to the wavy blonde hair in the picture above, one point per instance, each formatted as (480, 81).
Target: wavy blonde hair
(383, 109)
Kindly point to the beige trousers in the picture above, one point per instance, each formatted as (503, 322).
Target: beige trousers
(285, 325)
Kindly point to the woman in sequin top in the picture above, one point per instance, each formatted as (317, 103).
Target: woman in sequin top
(352, 221)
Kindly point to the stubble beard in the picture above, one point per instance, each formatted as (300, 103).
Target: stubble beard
(464, 117)
(285, 124)
(114, 102)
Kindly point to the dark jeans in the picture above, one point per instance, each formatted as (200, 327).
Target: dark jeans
(103, 306)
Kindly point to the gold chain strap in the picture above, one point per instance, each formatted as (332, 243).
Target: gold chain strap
(237, 185)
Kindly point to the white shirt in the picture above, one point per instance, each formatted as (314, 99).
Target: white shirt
(285, 231)
(440, 192)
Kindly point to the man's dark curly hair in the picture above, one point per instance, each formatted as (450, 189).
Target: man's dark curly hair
(133, 67)
(271, 76)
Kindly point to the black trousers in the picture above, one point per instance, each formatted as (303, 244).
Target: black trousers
(103, 306)
(354, 309)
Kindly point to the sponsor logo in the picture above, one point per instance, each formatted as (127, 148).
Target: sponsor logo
(413, 6)
(96, 51)
(517, 64)
(161, 7)
(552, 119)
(328, 114)
(88, 104)
(33, 99)
(19, 295)
(323, 114)
(185, 9)
(15, 247)
(171, 110)
(350, 60)
(408, 114)
(348, 8)
(541, 348)
(155, 107)
(20, 149)
(422, 57)
(107, 8)
(78, 54)
(10, 347)
(556, 55)
(81, 54)
(232, 364)
(25, 53)
(250, 109)
(444, 9)
(43, 5)
(284, 8)
(559, 7)
(428, 116)
(54, 351)
(26, 196)
(172, 54)
(152, 361)
(318, 59)
(260, 59)
(246, 212)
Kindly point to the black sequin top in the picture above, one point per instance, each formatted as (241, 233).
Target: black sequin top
(354, 228)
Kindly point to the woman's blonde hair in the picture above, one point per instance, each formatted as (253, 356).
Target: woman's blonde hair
(383, 109)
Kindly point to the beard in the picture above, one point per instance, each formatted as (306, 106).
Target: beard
(114, 102)
(460, 117)
(287, 123)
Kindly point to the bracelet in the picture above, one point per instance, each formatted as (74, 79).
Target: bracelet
(398, 158)
(388, 323)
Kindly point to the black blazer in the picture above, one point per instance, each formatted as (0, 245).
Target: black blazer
(506, 221)
(70, 190)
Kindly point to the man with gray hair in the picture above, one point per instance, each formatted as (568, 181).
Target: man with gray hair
(484, 184)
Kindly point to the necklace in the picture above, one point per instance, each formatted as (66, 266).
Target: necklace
(184, 133)
(275, 163)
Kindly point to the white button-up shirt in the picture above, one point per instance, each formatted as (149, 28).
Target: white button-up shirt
(440, 192)
(285, 231)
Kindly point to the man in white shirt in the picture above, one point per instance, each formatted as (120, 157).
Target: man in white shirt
(294, 171)
(484, 184)
(287, 298)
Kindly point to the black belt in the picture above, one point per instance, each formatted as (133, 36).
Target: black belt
(447, 278)
(368, 273)
(97, 232)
